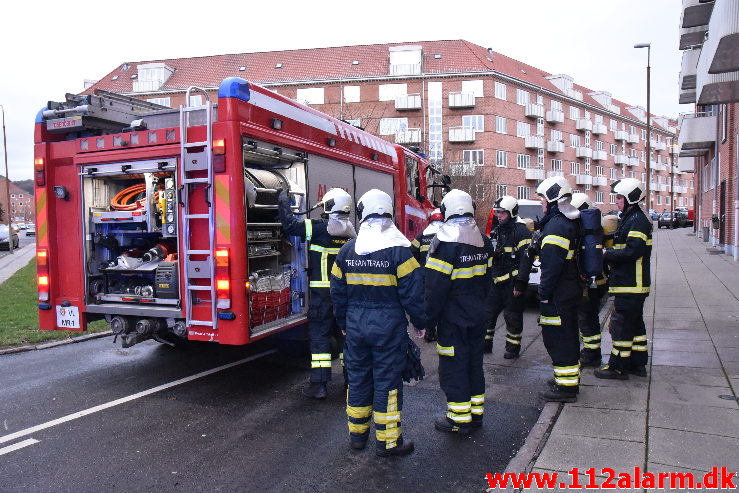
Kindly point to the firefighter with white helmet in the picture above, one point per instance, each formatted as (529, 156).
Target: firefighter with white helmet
(559, 288)
(420, 248)
(375, 281)
(324, 237)
(510, 239)
(457, 284)
(629, 262)
(587, 313)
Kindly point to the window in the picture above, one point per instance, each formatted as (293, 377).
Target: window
(523, 192)
(500, 90)
(614, 174)
(614, 149)
(12, 195)
(475, 157)
(556, 135)
(632, 129)
(20, 204)
(351, 94)
(473, 87)
(501, 190)
(388, 92)
(523, 161)
(632, 174)
(523, 129)
(412, 177)
(614, 125)
(556, 165)
(587, 165)
(474, 121)
(587, 138)
(644, 156)
(500, 125)
(574, 140)
(20, 195)
(598, 145)
(667, 200)
(556, 105)
(611, 198)
(574, 113)
(522, 97)
(599, 171)
(598, 197)
(587, 187)
(391, 126)
(643, 177)
(196, 100)
(540, 158)
(501, 159)
(643, 134)
(659, 200)
(574, 168)
(598, 118)
(310, 95)
(632, 153)
(159, 101)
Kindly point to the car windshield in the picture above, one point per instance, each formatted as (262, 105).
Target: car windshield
(3, 228)
(530, 211)
(666, 215)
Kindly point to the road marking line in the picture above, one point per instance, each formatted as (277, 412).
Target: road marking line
(123, 400)
(16, 446)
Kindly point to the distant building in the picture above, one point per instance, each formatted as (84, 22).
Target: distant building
(21, 204)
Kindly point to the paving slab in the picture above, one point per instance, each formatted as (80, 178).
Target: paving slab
(692, 334)
(725, 340)
(587, 379)
(691, 359)
(601, 423)
(723, 421)
(711, 377)
(563, 452)
(728, 353)
(687, 393)
(692, 450)
(681, 345)
(629, 398)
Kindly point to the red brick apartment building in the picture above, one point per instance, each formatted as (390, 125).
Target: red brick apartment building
(496, 125)
(709, 138)
(21, 204)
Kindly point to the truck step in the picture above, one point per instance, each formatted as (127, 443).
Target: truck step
(199, 288)
(201, 322)
(195, 180)
(198, 252)
(188, 145)
(196, 216)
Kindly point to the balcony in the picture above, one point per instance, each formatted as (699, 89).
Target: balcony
(658, 146)
(600, 181)
(621, 159)
(147, 85)
(534, 174)
(621, 135)
(534, 142)
(408, 102)
(462, 169)
(583, 124)
(600, 155)
(687, 96)
(632, 161)
(686, 164)
(409, 136)
(724, 29)
(461, 100)
(662, 187)
(555, 146)
(688, 68)
(654, 165)
(555, 116)
(633, 139)
(461, 134)
(583, 180)
(697, 134)
(599, 128)
(583, 152)
(405, 69)
(553, 172)
(534, 110)
(696, 13)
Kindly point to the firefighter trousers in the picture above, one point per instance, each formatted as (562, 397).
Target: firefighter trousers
(501, 299)
(374, 360)
(460, 371)
(558, 320)
(628, 332)
(321, 326)
(588, 321)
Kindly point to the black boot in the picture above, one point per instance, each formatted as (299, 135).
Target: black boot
(590, 358)
(315, 390)
(400, 449)
(357, 444)
(607, 373)
(639, 371)
(552, 384)
(511, 353)
(555, 394)
(447, 426)
(488, 346)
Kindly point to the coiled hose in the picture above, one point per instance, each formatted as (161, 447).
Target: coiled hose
(120, 201)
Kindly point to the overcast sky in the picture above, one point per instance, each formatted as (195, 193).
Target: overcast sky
(48, 48)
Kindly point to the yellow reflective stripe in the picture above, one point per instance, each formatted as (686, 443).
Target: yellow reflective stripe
(640, 338)
(567, 382)
(515, 342)
(549, 320)
(415, 243)
(459, 407)
(601, 281)
(477, 409)
(407, 267)
(468, 272)
(556, 240)
(389, 417)
(639, 348)
(649, 243)
(320, 356)
(390, 436)
(591, 338)
(508, 249)
(358, 412)
(319, 248)
(588, 345)
(308, 229)
(425, 248)
(638, 234)
(444, 350)
(324, 266)
(392, 400)
(566, 371)
(570, 254)
(617, 290)
(623, 343)
(459, 418)
(639, 272)
(320, 284)
(371, 279)
(477, 399)
(501, 278)
(619, 246)
(523, 243)
(490, 262)
(439, 265)
(336, 271)
(359, 428)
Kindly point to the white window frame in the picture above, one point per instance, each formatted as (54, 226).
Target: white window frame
(388, 92)
(523, 161)
(352, 94)
(474, 157)
(598, 197)
(523, 192)
(473, 87)
(476, 122)
(160, 101)
(311, 95)
(522, 97)
(391, 126)
(500, 90)
(523, 129)
(574, 112)
(501, 158)
(500, 191)
(501, 125)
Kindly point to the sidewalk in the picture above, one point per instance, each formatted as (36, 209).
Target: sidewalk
(684, 417)
(10, 264)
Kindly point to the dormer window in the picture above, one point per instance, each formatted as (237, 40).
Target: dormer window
(152, 76)
(278, 65)
(405, 60)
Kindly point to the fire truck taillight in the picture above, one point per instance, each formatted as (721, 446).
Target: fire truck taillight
(223, 278)
(219, 147)
(39, 171)
(43, 275)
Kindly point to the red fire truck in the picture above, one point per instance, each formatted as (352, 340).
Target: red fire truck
(164, 221)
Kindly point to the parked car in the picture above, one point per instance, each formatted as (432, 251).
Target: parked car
(30, 229)
(653, 214)
(688, 214)
(671, 220)
(5, 237)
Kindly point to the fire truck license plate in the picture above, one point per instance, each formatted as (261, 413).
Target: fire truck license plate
(67, 317)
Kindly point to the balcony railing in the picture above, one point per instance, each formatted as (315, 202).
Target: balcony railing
(686, 164)
(405, 69)
(534, 110)
(461, 100)
(409, 136)
(689, 67)
(600, 181)
(724, 28)
(697, 133)
(147, 85)
(534, 142)
(654, 165)
(583, 124)
(461, 134)
(621, 159)
(633, 139)
(555, 116)
(554, 172)
(583, 152)
(534, 174)
(583, 179)
(621, 135)
(408, 102)
(633, 161)
(600, 155)
(555, 146)
(658, 146)
(599, 128)
(462, 169)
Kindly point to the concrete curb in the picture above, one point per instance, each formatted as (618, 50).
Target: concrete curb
(53, 344)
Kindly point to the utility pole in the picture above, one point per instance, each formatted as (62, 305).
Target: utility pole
(7, 185)
(648, 46)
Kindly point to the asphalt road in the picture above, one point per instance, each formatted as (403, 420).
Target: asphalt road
(244, 428)
(24, 241)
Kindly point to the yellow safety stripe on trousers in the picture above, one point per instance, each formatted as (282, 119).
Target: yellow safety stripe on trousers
(324, 267)
(567, 381)
(458, 407)
(308, 229)
(385, 418)
(389, 435)
(617, 290)
(336, 271)
(650, 242)
(425, 248)
(564, 371)
(415, 243)
(623, 343)
(392, 401)
(637, 234)
(549, 320)
(622, 353)
(476, 400)
(359, 412)
(590, 345)
(523, 243)
(460, 418)
(323, 249)
(320, 284)
(498, 279)
(638, 348)
(320, 360)
(371, 279)
(469, 272)
(596, 337)
(407, 267)
(560, 241)
(511, 340)
(359, 428)
(642, 338)
(444, 350)
(341, 358)
(439, 265)
(477, 409)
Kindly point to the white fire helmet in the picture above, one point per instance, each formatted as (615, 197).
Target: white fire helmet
(508, 204)
(337, 200)
(554, 188)
(457, 203)
(631, 188)
(581, 201)
(374, 203)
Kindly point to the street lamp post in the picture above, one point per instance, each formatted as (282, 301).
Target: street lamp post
(648, 46)
(7, 185)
